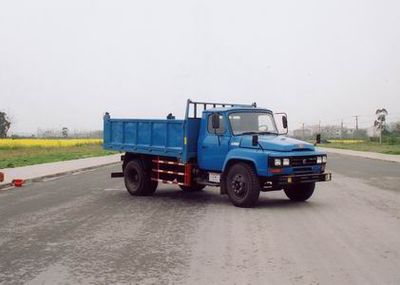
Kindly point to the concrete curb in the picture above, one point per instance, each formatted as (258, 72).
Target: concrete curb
(6, 186)
(363, 154)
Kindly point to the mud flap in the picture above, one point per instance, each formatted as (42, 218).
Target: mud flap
(222, 187)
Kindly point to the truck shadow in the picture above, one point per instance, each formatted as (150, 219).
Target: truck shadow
(201, 197)
(282, 203)
(210, 196)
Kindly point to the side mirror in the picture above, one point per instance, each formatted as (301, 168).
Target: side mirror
(284, 122)
(283, 130)
(215, 121)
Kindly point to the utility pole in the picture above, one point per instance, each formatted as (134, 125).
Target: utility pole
(319, 126)
(356, 116)
(341, 129)
(303, 131)
(355, 134)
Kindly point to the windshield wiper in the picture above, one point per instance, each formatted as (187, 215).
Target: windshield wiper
(248, 133)
(267, 133)
(257, 133)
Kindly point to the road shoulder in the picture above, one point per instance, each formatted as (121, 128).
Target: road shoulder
(365, 154)
(53, 169)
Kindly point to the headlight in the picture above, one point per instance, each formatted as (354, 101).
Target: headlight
(319, 159)
(324, 159)
(286, 162)
(277, 162)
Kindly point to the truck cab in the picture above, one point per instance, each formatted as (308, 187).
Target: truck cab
(239, 148)
(233, 130)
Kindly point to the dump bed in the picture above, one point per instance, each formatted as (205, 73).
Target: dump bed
(171, 138)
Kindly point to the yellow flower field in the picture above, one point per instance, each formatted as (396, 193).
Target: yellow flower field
(45, 143)
(346, 141)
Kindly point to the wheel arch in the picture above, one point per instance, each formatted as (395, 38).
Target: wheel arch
(129, 156)
(257, 159)
(233, 161)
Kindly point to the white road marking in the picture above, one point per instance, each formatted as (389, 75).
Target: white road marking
(51, 178)
(7, 188)
(83, 171)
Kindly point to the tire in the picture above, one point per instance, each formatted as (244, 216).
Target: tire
(242, 185)
(194, 188)
(138, 179)
(300, 192)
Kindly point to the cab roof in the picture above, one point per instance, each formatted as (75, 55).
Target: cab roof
(238, 108)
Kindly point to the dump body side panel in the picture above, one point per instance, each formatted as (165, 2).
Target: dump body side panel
(153, 137)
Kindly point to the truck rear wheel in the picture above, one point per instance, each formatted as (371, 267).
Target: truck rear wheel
(242, 185)
(300, 192)
(138, 179)
(193, 188)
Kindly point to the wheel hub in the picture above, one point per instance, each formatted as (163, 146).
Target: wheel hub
(238, 185)
(134, 176)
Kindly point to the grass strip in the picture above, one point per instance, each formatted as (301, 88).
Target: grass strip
(35, 155)
(366, 146)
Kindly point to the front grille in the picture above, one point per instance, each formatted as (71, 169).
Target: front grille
(303, 160)
(306, 169)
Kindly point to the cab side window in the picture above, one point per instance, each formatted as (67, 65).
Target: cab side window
(220, 130)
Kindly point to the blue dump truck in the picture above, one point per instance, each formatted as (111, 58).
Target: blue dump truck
(234, 146)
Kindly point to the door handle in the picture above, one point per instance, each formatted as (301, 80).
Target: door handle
(204, 146)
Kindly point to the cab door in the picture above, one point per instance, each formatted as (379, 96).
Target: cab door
(214, 144)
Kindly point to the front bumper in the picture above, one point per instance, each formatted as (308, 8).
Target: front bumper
(300, 178)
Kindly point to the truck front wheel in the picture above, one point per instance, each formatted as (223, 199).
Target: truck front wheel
(242, 185)
(138, 180)
(300, 192)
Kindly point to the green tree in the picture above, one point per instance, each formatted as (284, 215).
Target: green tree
(380, 122)
(64, 132)
(396, 128)
(5, 124)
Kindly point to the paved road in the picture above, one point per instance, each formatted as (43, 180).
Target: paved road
(85, 228)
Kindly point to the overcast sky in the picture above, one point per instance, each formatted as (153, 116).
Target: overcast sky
(64, 63)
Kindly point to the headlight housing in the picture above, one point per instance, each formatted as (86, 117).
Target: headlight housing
(319, 159)
(277, 162)
(324, 159)
(286, 162)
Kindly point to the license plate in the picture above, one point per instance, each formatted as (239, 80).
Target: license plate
(214, 177)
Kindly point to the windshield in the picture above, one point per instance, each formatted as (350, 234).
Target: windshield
(247, 123)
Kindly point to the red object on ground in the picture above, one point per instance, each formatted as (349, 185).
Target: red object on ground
(18, 182)
(1, 176)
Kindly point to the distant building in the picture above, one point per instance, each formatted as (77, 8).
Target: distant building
(332, 132)
(372, 132)
(302, 133)
(327, 132)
